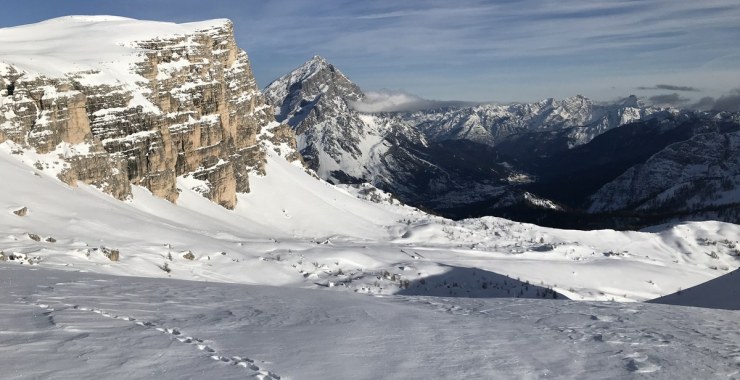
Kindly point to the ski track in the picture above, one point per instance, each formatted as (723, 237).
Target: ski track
(253, 370)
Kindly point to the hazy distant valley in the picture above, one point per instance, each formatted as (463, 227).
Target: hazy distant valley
(570, 164)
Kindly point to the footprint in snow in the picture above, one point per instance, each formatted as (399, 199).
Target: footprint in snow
(205, 348)
(638, 362)
(220, 358)
(176, 333)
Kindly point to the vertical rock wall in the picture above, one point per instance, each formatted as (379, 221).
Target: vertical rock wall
(195, 110)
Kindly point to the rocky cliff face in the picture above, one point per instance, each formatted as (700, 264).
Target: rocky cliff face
(151, 101)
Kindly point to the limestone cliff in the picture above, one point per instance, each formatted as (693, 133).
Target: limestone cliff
(152, 101)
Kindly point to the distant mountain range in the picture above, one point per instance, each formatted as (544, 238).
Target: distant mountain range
(564, 163)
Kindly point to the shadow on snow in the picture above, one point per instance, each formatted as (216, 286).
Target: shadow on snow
(476, 283)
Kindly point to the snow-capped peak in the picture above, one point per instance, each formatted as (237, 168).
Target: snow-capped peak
(316, 77)
(301, 73)
(310, 68)
(317, 59)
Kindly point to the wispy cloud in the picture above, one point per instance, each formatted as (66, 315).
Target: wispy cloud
(670, 87)
(673, 99)
(573, 40)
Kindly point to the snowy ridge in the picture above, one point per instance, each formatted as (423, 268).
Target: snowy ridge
(489, 123)
(721, 293)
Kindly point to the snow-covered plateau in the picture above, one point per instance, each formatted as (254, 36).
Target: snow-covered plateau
(297, 278)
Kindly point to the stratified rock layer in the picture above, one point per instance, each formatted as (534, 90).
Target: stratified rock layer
(192, 108)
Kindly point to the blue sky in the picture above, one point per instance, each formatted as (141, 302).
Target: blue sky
(509, 50)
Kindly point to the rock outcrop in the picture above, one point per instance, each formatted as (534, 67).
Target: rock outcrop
(177, 99)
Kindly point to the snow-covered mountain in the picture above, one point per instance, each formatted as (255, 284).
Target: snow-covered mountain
(117, 102)
(317, 99)
(338, 143)
(516, 160)
(312, 99)
(490, 123)
(700, 173)
(106, 157)
(345, 146)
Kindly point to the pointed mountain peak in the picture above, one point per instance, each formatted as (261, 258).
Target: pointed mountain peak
(302, 88)
(318, 71)
(313, 65)
(302, 73)
(317, 59)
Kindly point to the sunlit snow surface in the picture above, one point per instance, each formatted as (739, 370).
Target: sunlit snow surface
(363, 289)
(294, 230)
(304, 280)
(68, 325)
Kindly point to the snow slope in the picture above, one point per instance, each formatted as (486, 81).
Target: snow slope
(70, 325)
(64, 44)
(61, 47)
(721, 293)
(295, 230)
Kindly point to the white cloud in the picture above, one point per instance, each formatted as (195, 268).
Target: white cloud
(389, 101)
(398, 101)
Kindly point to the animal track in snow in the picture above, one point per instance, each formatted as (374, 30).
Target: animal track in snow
(243, 362)
(638, 362)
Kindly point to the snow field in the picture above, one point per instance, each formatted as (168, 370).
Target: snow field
(72, 324)
(297, 231)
